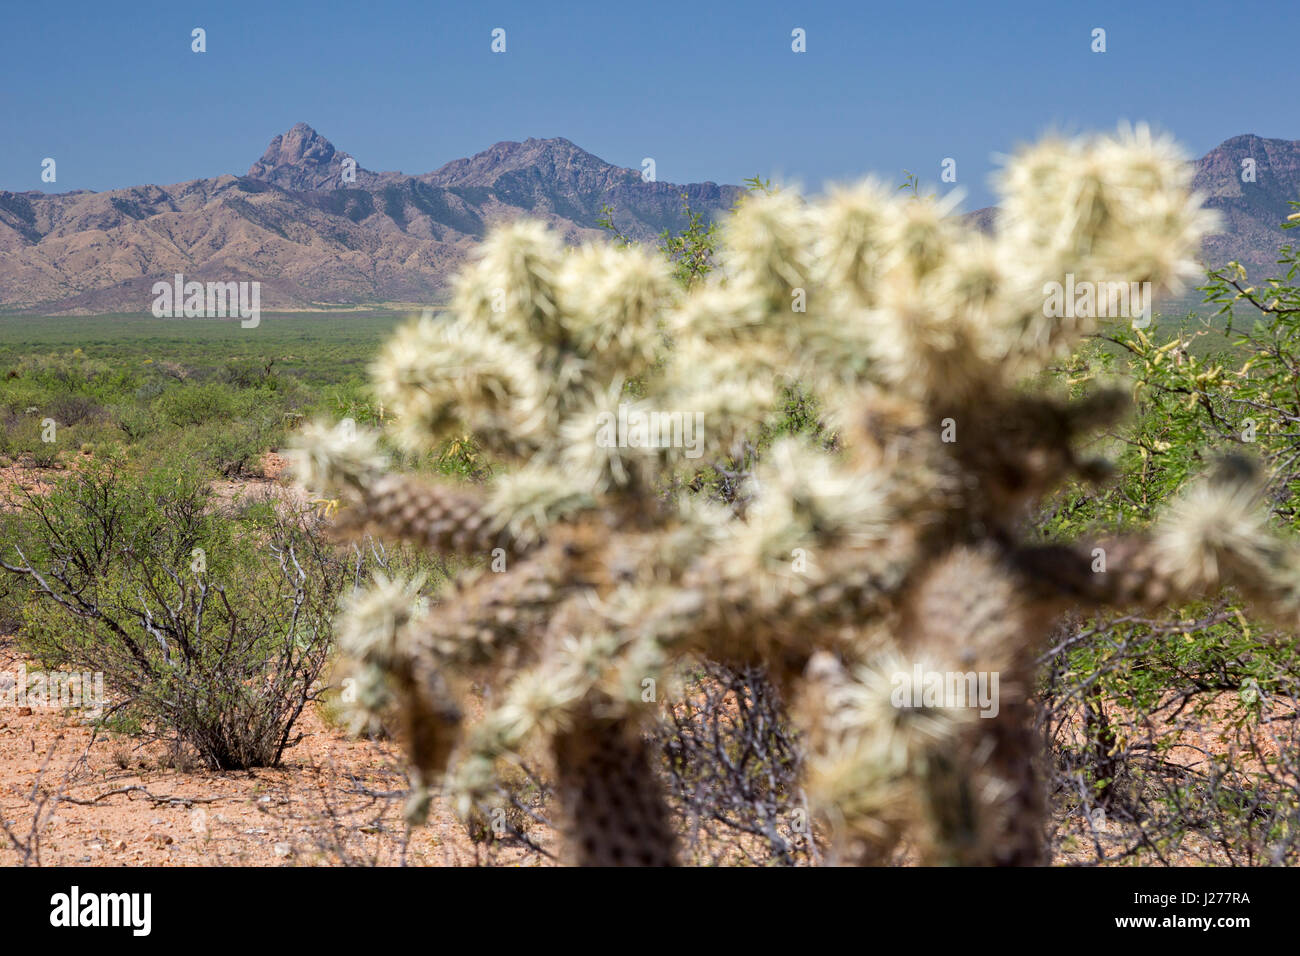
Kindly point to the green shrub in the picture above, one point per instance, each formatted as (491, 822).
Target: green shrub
(135, 422)
(207, 627)
(24, 441)
(71, 408)
(231, 449)
(186, 405)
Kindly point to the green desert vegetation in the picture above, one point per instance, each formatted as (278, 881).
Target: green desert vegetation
(695, 659)
(211, 394)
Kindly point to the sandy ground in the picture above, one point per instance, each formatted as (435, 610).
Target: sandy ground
(113, 802)
(16, 479)
(70, 798)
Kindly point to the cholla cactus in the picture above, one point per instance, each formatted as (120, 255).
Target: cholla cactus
(851, 575)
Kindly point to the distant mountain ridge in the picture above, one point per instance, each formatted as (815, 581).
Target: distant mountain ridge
(311, 235)
(316, 228)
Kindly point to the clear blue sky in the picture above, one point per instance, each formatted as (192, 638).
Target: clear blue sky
(712, 91)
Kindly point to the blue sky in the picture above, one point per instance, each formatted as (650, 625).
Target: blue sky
(710, 91)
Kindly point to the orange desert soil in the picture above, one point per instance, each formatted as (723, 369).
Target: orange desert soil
(318, 808)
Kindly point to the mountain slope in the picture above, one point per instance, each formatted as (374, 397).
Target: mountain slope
(308, 234)
(1251, 211)
(314, 237)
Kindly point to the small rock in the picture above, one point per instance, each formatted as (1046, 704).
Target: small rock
(156, 822)
(283, 850)
(119, 846)
(24, 711)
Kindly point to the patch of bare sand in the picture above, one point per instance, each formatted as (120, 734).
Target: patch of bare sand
(114, 802)
(17, 479)
(274, 483)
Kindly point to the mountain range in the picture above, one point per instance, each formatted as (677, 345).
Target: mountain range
(319, 230)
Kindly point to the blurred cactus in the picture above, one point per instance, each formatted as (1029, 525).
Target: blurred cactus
(843, 573)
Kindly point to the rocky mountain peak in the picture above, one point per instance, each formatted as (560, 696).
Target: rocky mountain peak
(301, 159)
